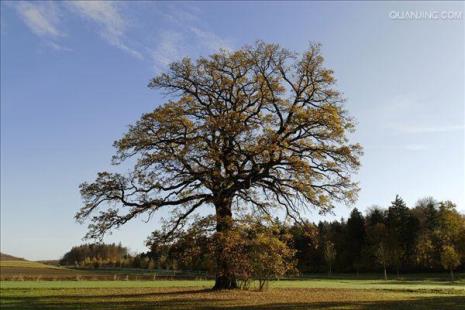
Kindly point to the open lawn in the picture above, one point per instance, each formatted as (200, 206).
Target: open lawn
(316, 293)
(420, 291)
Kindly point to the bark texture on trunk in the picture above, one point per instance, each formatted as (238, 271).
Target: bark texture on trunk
(225, 277)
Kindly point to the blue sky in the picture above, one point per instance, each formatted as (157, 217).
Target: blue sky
(74, 76)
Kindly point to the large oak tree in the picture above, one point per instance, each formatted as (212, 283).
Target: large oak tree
(261, 127)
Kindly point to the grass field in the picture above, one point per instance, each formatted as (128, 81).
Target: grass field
(22, 269)
(315, 292)
(28, 270)
(296, 294)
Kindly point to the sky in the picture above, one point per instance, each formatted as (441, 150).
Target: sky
(74, 75)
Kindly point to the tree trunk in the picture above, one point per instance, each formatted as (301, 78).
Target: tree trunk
(452, 275)
(225, 277)
(385, 272)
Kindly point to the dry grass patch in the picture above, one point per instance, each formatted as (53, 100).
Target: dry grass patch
(195, 298)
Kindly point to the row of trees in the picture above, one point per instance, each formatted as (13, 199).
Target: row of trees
(427, 238)
(97, 255)
(258, 247)
(101, 255)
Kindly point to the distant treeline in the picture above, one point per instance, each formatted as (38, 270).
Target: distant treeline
(101, 255)
(429, 237)
(95, 255)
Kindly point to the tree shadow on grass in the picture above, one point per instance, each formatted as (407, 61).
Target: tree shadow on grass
(176, 299)
(192, 299)
(63, 297)
(407, 278)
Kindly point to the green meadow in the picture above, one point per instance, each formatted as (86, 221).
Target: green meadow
(339, 292)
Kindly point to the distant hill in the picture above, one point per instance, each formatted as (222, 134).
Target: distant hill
(14, 268)
(4, 256)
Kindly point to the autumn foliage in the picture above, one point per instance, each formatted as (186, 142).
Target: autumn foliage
(260, 127)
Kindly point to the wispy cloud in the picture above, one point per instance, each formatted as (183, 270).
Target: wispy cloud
(40, 18)
(173, 45)
(106, 15)
(187, 36)
(415, 147)
(179, 30)
(209, 39)
(427, 129)
(58, 47)
(43, 19)
(167, 48)
(180, 15)
(411, 114)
